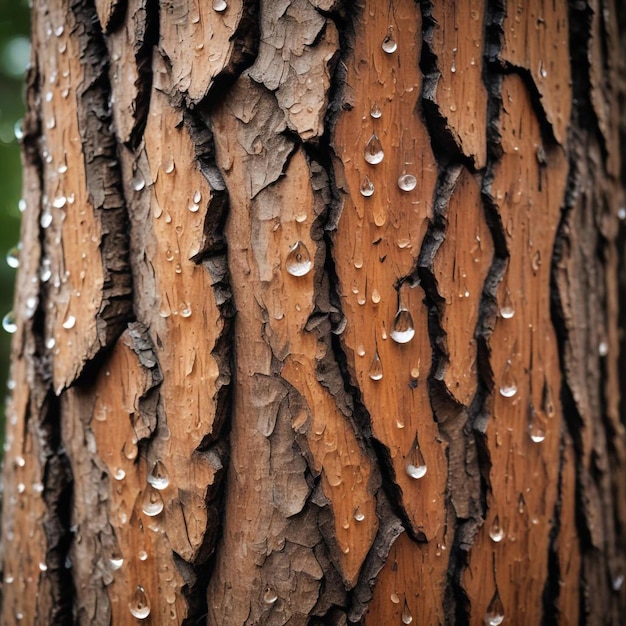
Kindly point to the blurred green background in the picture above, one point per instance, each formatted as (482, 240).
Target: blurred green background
(14, 56)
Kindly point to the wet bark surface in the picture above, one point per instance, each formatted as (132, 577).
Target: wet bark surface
(317, 317)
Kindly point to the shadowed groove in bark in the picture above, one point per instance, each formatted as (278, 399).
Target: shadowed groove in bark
(103, 175)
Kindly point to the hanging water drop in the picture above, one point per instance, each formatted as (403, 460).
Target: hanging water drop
(138, 182)
(270, 596)
(13, 257)
(375, 111)
(508, 386)
(495, 611)
(18, 131)
(70, 322)
(367, 187)
(142, 555)
(376, 368)
(506, 309)
(152, 503)
(159, 477)
(373, 152)
(119, 473)
(495, 530)
(59, 202)
(298, 261)
(407, 616)
(139, 606)
(46, 219)
(169, 165)
(402, 329)
(115, 562)
(536, 425)
(9, 323)
(375, 296)
(359, 516)
(184, 309)
(197, 196)
(416, 464)
(389, 44)
(407, 182)
(220, 5)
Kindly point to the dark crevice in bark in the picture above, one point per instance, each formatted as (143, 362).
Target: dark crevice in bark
(552, 589)
(103, 176)
(144, 47)
(245, 50)
(444, 145)
(58, 494)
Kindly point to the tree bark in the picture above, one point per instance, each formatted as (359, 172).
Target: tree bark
(317, 316)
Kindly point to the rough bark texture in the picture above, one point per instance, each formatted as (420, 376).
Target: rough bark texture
(317, 315)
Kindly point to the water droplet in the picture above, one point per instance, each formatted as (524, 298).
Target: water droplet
(43, 567)
(142, 555)
(617, 583)
(621, 213)
(359, 516)
(298, 261)
(119, 473)
(13, 257)
(70, 322)
(507, 311)
(18, 131)
(270, 596)
(197, 196)
(376, 367)
(453, 66)
(9, 323)
(407, 616)
(59, 202)
(139, 606)
(536, 425)
(21, 205)
(46, 271)
(220, 5)
(402, 329)
(508, 386)
(495, 611)
(138, 182)
(367, 187)
(20, 461)
(184, 309)
(389, 44)
(521, 503)
(159, 477)
(415, 463)
(375, 111)
(495, 530)
(407, 182)
(46, 219)
(115, 562)
(603, 348)
(395, 598)
(375, 296)
(152, 503)
(360, 350)
(373, 152)
(58, 31)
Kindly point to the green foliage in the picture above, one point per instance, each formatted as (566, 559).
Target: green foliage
(14, 28)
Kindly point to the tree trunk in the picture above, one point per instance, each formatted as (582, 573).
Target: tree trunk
(317, 316)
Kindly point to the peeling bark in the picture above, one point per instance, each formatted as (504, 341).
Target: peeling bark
(316, 317)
